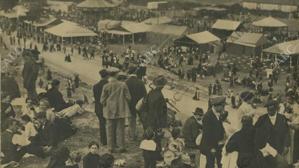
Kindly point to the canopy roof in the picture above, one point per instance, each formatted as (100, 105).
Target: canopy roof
(168, 29)
(269, 22)
(203, 37)
(158, 20)
(99, 4)
(59, 5)
(284, 2)
(226, 25)
(43, 21)
(70, 29)
(247, 39)
(115, 26)
(285, 48)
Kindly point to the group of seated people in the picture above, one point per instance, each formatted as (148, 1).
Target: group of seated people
(36, 128)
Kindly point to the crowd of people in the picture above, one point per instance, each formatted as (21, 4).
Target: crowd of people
(121, 97)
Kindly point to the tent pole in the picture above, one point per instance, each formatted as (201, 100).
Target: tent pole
(133, 40)
(123, 39)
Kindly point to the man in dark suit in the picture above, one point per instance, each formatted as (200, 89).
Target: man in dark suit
(55, 97)
(192, 128)
(137, 90)
(213, 132)
(30, 74)
(97, 92)
(272, 138)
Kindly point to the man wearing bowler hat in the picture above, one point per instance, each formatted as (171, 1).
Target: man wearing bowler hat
(193, 127)
(213, 132)
(115, 99)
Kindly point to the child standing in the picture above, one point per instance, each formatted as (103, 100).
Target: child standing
(149, 147)
(92, 159)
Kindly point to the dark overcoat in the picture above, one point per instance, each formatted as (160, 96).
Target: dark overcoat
(30, 73)
(213, 132)
(137, 91)
(55, 99)
(97, 92)
(191, 130)
(156, 114)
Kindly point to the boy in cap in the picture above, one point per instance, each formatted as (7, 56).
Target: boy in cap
(115, 99)
(213, 132)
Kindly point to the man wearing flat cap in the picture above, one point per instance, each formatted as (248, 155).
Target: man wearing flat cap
(213, 132)
(97, 92)
(272, 139)
(115, 99)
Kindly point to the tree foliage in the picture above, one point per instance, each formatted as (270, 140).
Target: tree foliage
(8, 4)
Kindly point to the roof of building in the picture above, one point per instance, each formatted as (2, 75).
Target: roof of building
(122, 26)
(282, 2)
(59, 5)
(43, 21)
(70, 29)
(226, 24)
(168, 29)
(158, 20)
(285, 48)
(247, 39)
(99, 4)
(203, 37)
(269, 22)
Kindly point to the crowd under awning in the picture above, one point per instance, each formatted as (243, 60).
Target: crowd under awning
(269, 22)
(70, 29)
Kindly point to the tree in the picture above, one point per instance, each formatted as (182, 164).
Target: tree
(36, 8)
(7, 5)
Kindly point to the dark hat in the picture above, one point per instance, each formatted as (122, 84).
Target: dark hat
(198, 111)
(132, 70)
(246, 96)
(272, 103)
(160, 81)
(247, 120)
(217, 100)
(55, 82)
(103, 73)
(122, 76)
